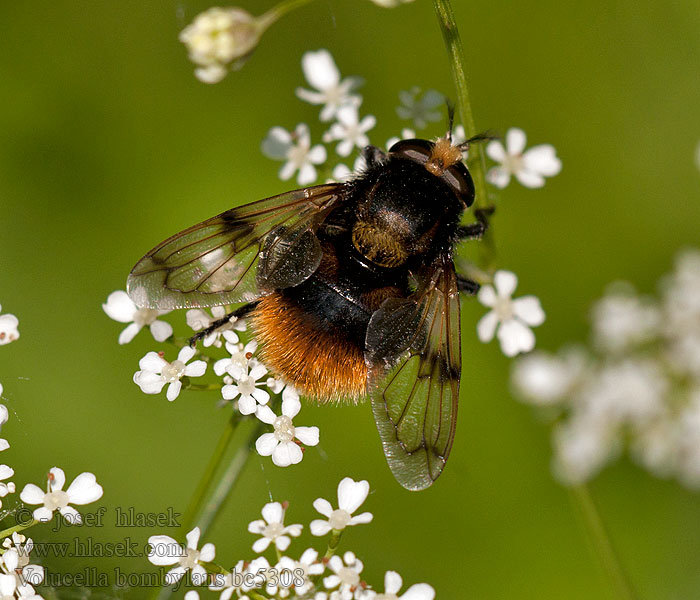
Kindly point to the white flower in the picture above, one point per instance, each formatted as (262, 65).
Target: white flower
(15, 561)
(8, 328)
(192, 595)
(406, 134)
(281, 443)
(241, 358)
(544, 379)
(420, 110)
(306, 567)
(272, 528)
(346, 575)
(582, 445)
(321, 73)
(296, 149)
(4, 415)
(83, 490)
(393, 583)
(529, 168)
(390, 3)
(156, 372)
(226, 583)
(620, 319)
(349, 130)
(121, 308)
(198, 319)
(246, 388)
(5, 473)
(511, 317)
(166, 551)
(351, 495)
(218, 37)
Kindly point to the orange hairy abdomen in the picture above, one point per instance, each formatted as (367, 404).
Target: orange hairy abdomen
(319, 363)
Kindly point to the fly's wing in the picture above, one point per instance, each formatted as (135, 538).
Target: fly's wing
(238, 255)
(414, 356)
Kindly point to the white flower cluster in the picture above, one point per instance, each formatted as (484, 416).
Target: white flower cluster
(18, 575)
(219, 39)
(340, 102)
(636, 388)
(244, 382)
(332, 577)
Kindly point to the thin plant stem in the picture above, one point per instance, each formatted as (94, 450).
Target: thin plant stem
(601, 544)
(228, 479)
(333, 542)
(455, 53)
(277, 12)
(216, 459)
(21, 527)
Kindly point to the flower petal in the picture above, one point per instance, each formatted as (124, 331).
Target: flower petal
(505, 282)
(529, 310)
(515, 337)
(322, 506)
(129, 333)
(161, 331)
(32, 494)
(120, 307)
(320, 69)
(272, 512)
(84, 489)
(196, 369)
(165, 550)
(291, 407)
(173, 390)
(152, 362)
(515, 141)
(419, 591)
(193, 538)
(319, 527)
(392, 582)
(57, 479)
(266, 443)
(486, 327)
(307, 435)
(351, 494)
(287, 453)
(542, 159)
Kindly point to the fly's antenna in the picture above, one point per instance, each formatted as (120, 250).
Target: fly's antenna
(450, 118)
(486, 136)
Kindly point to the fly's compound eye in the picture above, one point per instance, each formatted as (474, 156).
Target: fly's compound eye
(451, 170)
(417, 150)
(458, 178)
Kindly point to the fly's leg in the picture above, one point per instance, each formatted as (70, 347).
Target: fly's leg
(468, 286)
(239, 313)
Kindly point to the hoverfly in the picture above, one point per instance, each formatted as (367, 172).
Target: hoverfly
(350, 288)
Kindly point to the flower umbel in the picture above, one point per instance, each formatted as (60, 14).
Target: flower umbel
(219, 38)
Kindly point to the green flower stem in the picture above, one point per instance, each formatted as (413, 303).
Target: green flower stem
(333, 543)
(228, 479)
(277, 12)
(17, 528)
(600, 541)
(205, 482)
(477, 163)
(201, 387)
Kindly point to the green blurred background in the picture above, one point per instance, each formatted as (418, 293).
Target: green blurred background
(108, 144)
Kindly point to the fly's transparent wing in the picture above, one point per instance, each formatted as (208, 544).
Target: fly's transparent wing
(238, 255)
(413, 349)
